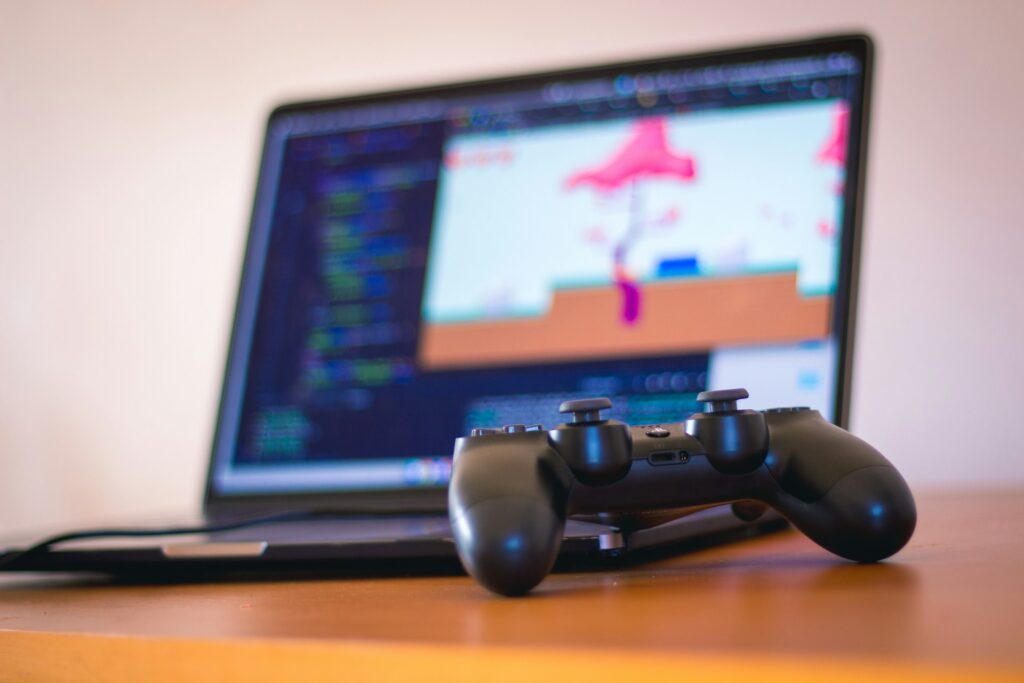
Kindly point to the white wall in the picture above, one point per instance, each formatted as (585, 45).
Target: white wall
(129, 135)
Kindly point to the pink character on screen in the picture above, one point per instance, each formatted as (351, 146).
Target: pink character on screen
(629, 289)
(645, 154)
(834, 149)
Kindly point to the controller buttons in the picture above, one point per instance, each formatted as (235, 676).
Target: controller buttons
(478, 431)
(794, 409)
(657, 432)
(512, 429)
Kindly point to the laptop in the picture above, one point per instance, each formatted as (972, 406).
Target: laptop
(426, 261)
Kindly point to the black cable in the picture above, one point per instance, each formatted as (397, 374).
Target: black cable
(15, 557)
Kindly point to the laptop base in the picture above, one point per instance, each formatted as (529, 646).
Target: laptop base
(367, 546)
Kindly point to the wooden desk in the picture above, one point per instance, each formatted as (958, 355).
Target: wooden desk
(949, 607)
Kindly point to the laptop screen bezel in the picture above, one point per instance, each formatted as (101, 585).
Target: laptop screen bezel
(432, 499)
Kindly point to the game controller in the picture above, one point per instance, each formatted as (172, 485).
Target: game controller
(512, 488)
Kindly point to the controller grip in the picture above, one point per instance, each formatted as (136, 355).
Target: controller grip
(836, 488)
(507, 509)
(866, 516)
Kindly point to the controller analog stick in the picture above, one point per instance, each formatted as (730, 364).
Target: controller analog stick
(736, 440)
(721, 401)
(585, 411)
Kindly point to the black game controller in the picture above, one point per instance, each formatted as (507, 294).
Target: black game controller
(512, 488)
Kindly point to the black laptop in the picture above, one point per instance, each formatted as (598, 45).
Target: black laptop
(425, 261)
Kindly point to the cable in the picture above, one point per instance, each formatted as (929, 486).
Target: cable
(13, 558)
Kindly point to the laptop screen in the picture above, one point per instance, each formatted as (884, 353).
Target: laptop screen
(423, 263)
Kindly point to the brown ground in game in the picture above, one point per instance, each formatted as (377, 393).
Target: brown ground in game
(675, 316)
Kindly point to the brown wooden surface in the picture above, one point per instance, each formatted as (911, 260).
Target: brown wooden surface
(951, 603)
